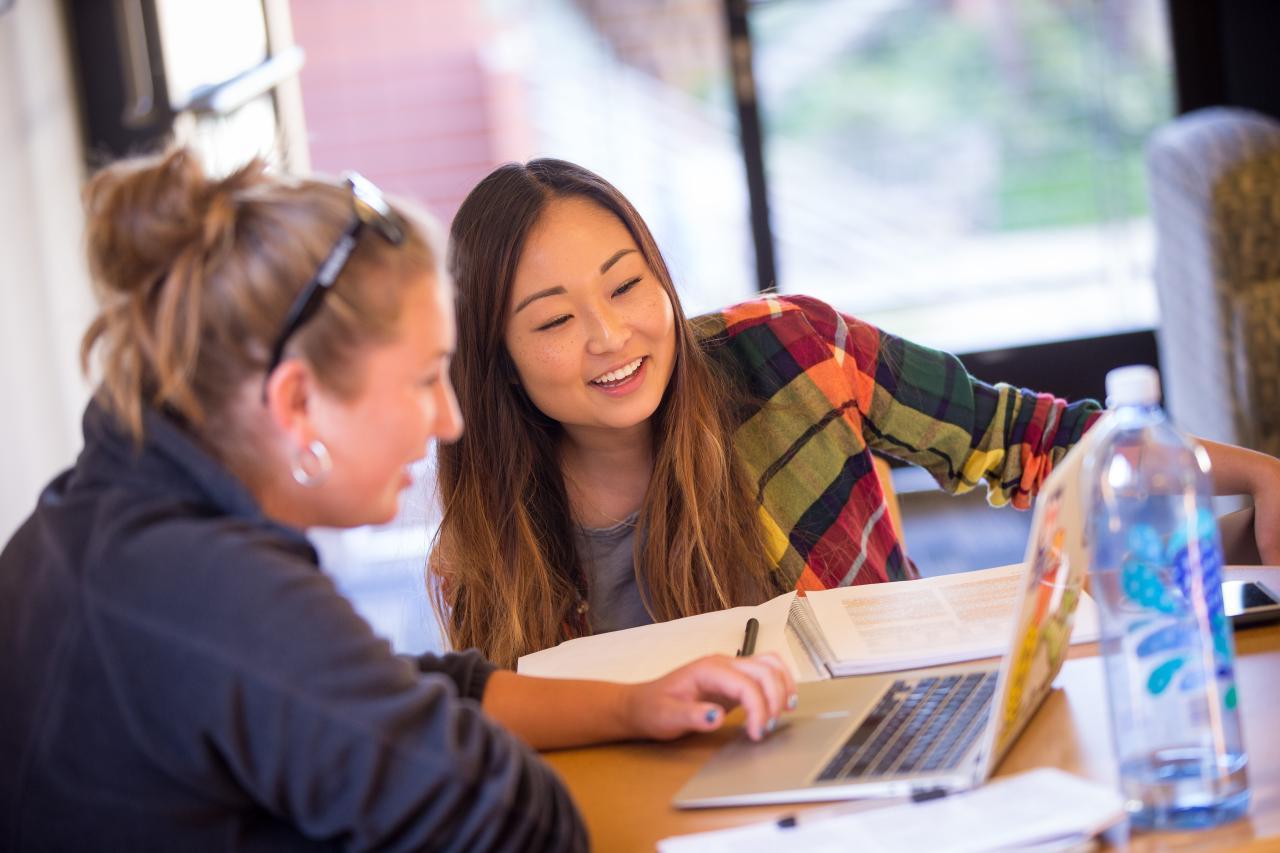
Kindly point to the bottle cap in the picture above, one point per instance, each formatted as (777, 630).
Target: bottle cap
(1135, 385)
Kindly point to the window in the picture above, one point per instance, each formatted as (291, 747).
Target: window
(965, 174)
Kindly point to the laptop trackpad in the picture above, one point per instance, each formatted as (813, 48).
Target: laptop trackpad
(787, 759)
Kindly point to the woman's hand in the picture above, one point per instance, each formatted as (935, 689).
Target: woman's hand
(696, 697)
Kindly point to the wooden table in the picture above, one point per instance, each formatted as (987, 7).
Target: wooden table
(625, 790)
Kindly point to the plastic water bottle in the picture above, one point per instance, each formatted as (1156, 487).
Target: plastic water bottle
(1156, 565)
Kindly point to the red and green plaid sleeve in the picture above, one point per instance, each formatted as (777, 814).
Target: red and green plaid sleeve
(828, 388)
(928, 410)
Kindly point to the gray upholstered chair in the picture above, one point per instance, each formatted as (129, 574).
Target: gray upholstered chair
(1215, 190)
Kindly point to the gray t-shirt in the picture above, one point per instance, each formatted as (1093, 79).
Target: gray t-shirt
(613, 594)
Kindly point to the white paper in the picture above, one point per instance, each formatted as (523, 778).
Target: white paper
(651, 651)
(1039, 806)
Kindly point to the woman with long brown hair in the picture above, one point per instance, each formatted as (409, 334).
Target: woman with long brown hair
(177, 673)
(627, 464)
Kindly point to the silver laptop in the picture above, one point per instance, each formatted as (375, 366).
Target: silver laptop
(926, 732)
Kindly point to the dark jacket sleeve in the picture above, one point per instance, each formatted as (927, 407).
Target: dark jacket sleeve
(247, 673)
(469, 670)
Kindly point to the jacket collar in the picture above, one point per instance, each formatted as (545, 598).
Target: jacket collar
(168, 461)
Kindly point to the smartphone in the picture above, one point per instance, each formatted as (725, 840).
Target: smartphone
(1250, 603)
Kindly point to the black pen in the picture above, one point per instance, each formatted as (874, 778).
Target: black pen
(749, 638)
(791, 821)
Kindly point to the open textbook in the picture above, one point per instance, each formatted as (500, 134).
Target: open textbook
(845, 631)
(908, 625)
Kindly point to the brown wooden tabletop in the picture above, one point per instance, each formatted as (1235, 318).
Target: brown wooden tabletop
(624, 790)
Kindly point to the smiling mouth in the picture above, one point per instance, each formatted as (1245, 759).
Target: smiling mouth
(619, 376)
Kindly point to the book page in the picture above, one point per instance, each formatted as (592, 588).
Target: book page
(908, 619)
(907, 624)
(650, 651)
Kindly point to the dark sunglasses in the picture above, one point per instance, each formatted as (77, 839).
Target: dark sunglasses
(369, 210)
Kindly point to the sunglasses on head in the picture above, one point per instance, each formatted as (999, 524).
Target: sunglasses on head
(369, 210)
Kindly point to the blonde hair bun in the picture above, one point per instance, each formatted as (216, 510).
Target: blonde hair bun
(144, 213)
(195, 275)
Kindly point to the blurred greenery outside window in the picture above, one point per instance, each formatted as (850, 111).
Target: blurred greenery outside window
(969, 174)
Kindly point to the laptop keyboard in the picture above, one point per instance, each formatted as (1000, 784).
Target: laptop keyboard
(923, 725)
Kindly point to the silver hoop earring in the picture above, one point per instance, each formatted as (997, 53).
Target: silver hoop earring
(312, 464)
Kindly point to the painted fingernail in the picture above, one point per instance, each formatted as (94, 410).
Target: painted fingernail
(793, 702)
(771, 725)
(713, 714)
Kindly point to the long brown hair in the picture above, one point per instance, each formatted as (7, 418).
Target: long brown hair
(194, 275)
(510, 581)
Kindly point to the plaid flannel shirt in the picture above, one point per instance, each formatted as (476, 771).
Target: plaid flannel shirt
(826, 389)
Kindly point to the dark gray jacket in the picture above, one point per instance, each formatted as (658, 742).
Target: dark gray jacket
(177, 674)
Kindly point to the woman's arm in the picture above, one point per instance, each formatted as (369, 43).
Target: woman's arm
(549, 713)
(1240, 471)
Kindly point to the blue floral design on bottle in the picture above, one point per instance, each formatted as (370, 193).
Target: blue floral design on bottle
(1209, 553)
(1158, 576)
